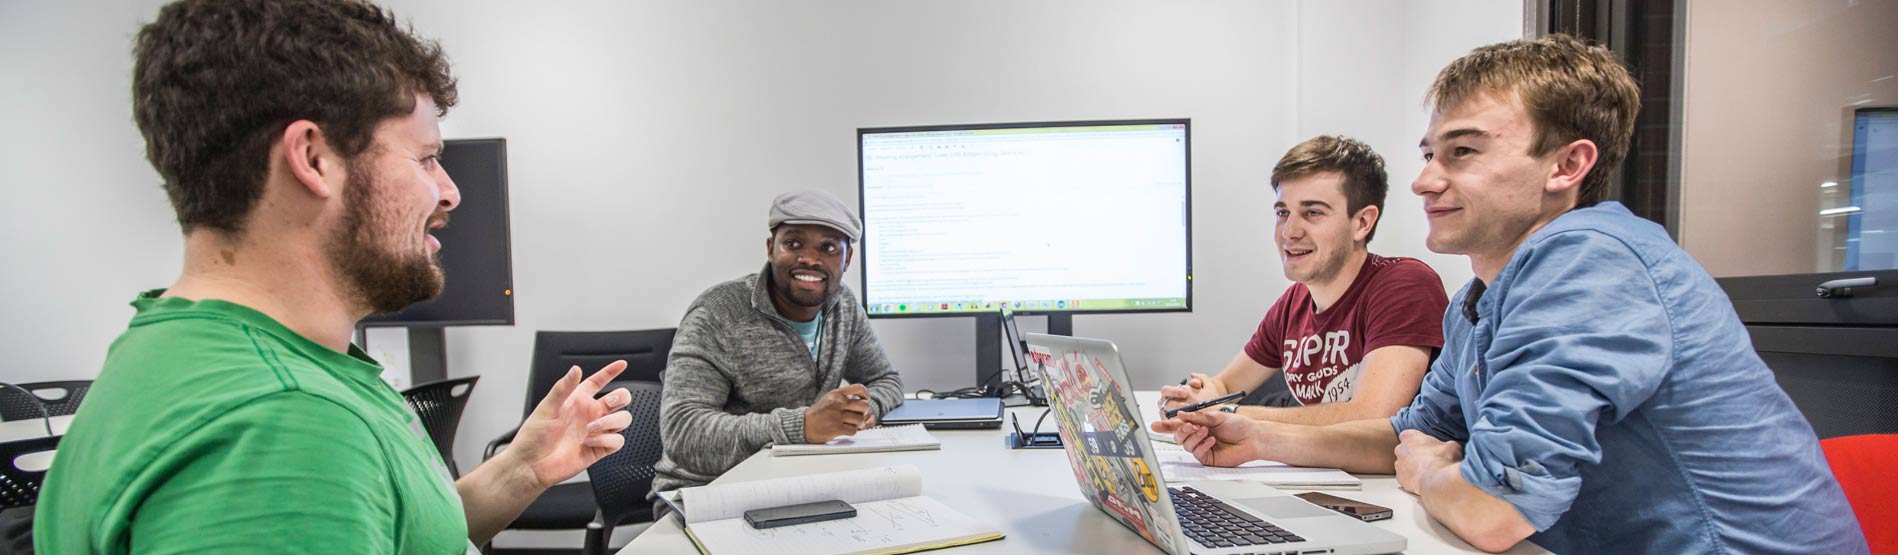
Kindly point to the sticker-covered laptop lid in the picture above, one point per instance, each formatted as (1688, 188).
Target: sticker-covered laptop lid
(1110, 453)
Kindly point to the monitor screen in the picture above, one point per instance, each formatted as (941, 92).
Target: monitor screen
(475, 253)
(1072, 217)
(1872, 217)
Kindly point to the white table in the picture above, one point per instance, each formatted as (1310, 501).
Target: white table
(1031, 495)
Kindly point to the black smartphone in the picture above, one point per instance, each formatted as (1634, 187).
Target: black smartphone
(799, 514)
(1363, 511)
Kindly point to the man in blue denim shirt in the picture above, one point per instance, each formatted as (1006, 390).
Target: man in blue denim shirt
(1596, 392)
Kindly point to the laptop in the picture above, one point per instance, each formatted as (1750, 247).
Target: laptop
(1114, 462)
(947, 414)
(1029, 380)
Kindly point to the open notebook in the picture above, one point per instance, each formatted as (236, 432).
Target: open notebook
(1177, 465)
(875, 440)
(893, 516)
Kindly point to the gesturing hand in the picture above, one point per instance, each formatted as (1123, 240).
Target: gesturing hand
(840, 412)
(1218, 438)
(1198, 387)
(1419, 453)
(570, 429)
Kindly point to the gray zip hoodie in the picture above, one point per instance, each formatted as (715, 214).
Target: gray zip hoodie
(739, 377)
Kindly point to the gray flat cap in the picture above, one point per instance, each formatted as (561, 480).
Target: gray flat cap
(814, 207)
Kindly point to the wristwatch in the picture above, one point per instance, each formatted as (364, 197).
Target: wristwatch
(1229, 408)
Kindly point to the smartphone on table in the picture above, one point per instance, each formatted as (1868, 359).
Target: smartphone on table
(799, 514)
(1363, 511)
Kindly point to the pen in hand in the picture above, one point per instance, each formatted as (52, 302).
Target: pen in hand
(1216, 401)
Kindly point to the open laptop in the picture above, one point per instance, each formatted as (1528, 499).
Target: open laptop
(1114, 462)
(1030, 380)
(947, 414)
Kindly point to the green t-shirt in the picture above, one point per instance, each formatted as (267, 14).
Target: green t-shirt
(214, 429)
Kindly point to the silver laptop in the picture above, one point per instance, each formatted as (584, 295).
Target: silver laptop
(1114, 462)
(947, 414)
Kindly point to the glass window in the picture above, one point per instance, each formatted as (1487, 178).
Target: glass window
(1789, 141)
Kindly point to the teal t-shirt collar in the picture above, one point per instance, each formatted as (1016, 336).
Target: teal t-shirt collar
(812, 332)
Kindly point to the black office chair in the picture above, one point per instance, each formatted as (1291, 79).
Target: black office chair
(439, 406)
(59, 398)
(20, 490)
(622, 480)
(20, 487)
(572, 506)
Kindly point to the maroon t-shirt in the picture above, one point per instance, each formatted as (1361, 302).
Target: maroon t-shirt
(1393, 301)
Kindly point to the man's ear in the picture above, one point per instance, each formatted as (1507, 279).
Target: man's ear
(310, 159)
(850, 252)
(1364, 221)
(1571, 164)
(770, 243)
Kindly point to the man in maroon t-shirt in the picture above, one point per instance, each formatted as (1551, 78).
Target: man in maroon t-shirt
(1355, 333)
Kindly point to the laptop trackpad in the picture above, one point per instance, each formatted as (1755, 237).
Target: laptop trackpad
(1284, 507)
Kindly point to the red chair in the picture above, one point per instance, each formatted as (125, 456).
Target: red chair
(1865, 465)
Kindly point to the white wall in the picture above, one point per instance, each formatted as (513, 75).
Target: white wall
(645, 140)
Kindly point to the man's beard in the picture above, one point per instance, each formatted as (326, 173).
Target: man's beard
(377, 279)
(782, 281)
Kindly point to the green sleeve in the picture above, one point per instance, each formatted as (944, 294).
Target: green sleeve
(286, 473)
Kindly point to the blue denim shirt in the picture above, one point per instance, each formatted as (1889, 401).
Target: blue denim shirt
(1607, 389)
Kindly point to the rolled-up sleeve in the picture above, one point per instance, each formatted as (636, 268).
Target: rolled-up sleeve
(1436, 410)
(1580, 336)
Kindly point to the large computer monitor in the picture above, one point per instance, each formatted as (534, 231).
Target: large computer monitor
(475, 254)
(1068, 217)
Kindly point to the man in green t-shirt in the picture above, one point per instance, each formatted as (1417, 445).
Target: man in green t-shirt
(297, 140)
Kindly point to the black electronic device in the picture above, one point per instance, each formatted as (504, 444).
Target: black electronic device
(799, 514)
(1035, 439)
(1363, 511)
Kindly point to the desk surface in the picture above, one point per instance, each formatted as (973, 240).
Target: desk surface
(1030, 494)
(23, 429)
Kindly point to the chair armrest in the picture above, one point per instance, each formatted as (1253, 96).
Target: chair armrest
(598, 535)
(495, 446)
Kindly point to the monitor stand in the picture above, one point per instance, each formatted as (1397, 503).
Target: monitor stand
(428, 355)
(988, 342)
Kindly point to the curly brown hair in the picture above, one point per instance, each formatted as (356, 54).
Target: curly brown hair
(1571, 89)
(1365, 183)
(215, 82)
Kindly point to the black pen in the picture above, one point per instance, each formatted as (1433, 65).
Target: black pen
(1195, 407)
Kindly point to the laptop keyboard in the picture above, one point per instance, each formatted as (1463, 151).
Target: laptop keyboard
(1213, 523)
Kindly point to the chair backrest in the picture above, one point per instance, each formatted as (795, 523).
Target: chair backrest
(439, 405)
(1864, 465)
(622, 480)
(61, 398)
(20, 487)
(644, 351)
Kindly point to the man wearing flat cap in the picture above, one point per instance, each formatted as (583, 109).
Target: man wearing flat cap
(785, 355)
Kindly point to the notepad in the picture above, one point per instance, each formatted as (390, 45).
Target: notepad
(1177, 465)
(875, 440)
(1149, 404)
(893, 516)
